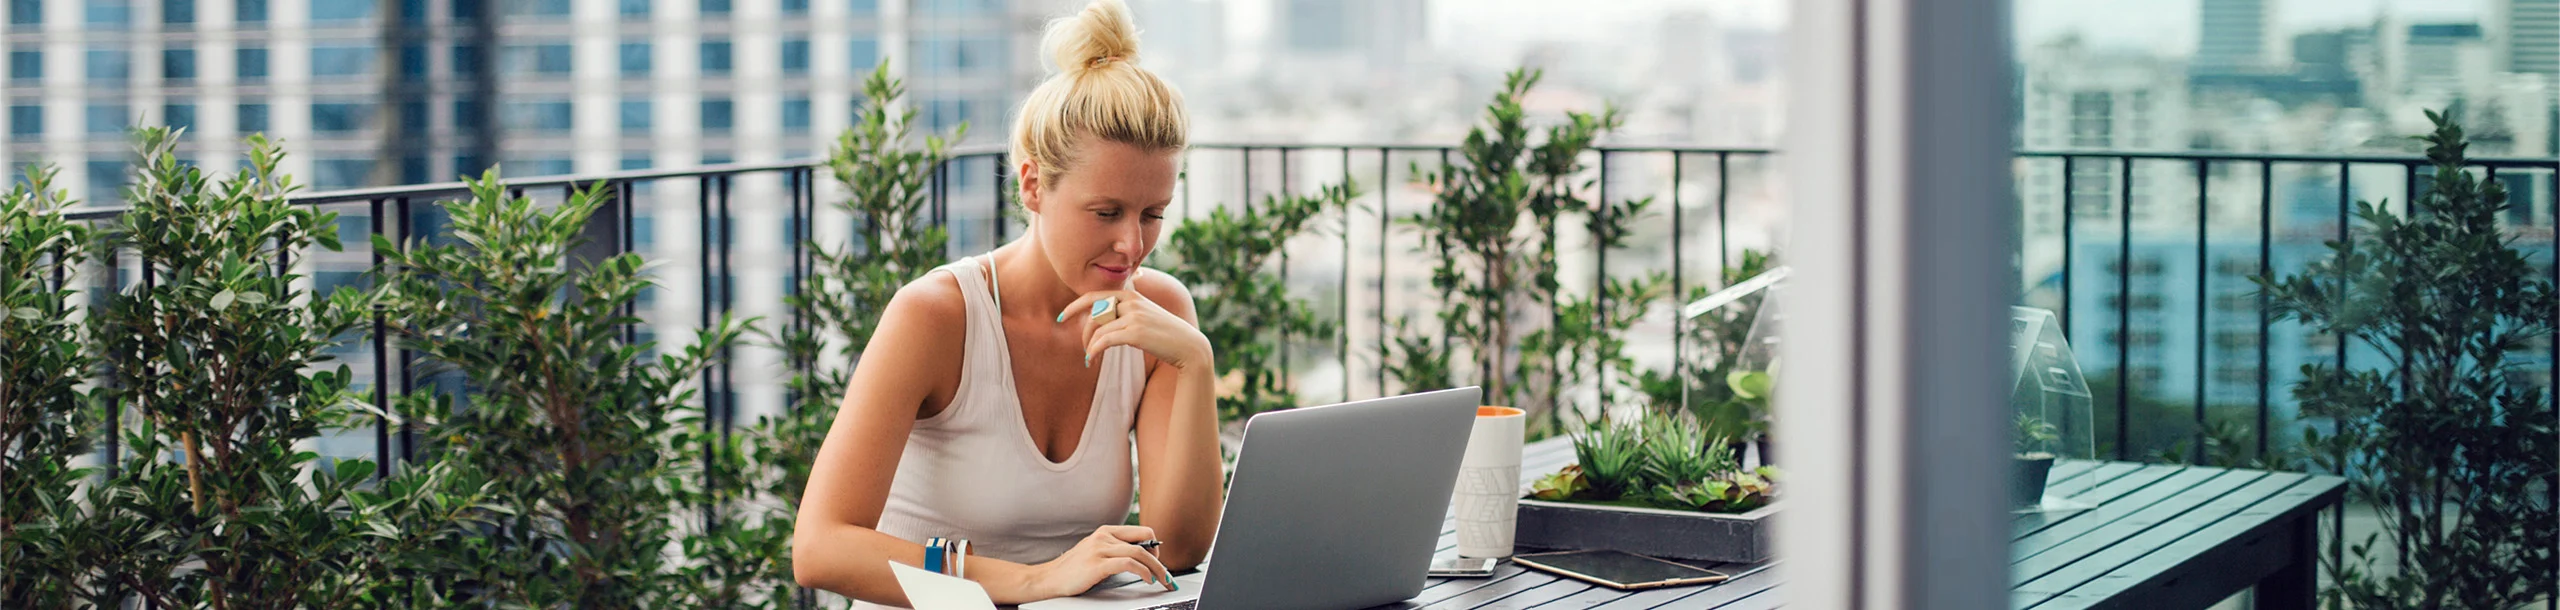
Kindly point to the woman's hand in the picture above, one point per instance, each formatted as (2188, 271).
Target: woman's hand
(1110, 550)
(1140, 324)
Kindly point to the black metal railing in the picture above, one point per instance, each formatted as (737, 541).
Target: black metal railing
(2532, 180)
(413, 211)
(2131, 189)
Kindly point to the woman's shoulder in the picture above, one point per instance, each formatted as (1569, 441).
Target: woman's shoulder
(1165, 290)
(936, 296)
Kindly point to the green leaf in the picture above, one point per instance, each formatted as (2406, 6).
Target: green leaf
(1749, 384)
(27, 313)
(222, 300)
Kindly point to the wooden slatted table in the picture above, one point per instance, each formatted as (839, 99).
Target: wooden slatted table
(2159, 537)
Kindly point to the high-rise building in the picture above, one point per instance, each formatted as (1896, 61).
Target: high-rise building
(2234, 33)
(2077, 99)
(367, 93)
(2445, 57)
(2529, 36)
(362, 92)
(1377, 37)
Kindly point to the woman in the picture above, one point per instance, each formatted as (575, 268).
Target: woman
(992, 407)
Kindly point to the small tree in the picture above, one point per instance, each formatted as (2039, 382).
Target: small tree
(1492, 227)
(219, 349)
(1245, 310)
(581, 438)
(44, 414)
(2452, 451)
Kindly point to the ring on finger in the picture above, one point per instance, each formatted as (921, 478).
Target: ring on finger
(1105, 310)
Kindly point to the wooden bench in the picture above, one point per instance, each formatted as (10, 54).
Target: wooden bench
(2159, 537)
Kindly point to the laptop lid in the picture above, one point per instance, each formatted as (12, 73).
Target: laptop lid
(1339, 506)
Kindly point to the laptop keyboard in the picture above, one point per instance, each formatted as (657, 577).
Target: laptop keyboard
(1188, 604)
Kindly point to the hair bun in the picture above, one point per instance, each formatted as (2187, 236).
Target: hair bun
(1095, 37)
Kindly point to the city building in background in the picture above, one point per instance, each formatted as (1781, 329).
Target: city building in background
(2235, 33)
(365, 93)
(412, 91)
(2159, 251)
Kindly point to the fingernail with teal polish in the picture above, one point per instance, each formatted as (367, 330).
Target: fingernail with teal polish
(1088, 361)
(1062, 316)
(1176, 586)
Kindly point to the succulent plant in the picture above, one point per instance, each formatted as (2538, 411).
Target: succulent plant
(1663, 461)
(1727, 492)
(1612, 458)
(1677, 450)
(1561, 486)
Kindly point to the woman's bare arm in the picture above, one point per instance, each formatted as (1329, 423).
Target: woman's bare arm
(1181, 487)
(835, 544)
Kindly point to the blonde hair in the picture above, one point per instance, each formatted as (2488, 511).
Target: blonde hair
(1098, 90)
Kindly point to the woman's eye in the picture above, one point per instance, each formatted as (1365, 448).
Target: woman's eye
(1108, 213)
(1154, 217)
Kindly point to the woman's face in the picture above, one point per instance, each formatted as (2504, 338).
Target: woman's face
(1099, 221)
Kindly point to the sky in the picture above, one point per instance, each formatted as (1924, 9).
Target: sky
(2160, 26)
(2169, 26)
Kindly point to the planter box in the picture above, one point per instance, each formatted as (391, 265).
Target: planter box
(1735, 538)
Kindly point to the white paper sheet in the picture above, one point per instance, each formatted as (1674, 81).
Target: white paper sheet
(930, 591)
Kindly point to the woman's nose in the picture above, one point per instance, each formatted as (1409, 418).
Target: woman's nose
(1127, 240)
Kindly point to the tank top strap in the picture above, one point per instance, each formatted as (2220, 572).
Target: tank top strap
(986, 375)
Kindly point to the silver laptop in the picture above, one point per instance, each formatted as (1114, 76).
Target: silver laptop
(1334, 507)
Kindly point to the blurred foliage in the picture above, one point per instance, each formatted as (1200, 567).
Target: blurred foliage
(1244, 309)
(1491, 232)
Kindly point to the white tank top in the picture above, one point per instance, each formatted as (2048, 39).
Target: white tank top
(972, 470)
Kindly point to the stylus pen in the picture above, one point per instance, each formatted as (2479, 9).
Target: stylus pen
(1150, 545)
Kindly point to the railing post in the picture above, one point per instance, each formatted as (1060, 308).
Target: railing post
(1679, 287)
(2204, 278)
(605, 230)
(1386, 195)
(381, 366)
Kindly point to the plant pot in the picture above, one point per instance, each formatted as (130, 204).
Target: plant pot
(2027, 479)
(1727, 537)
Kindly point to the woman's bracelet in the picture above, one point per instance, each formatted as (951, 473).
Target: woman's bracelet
(947, 556)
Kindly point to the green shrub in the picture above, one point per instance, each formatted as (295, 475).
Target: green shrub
(45, 416)
(580, 439)
(220, 356)
(2452, 450)
(1491, 232)
(1244, 309)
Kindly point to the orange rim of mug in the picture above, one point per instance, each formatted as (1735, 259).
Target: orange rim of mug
(1492, 411)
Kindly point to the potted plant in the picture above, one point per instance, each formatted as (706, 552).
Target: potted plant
(2033, 460)
(1658, 486)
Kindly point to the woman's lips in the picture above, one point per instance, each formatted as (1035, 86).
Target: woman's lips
(1114, 272)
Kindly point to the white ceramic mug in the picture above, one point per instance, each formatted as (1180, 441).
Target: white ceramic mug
(1488, 497)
